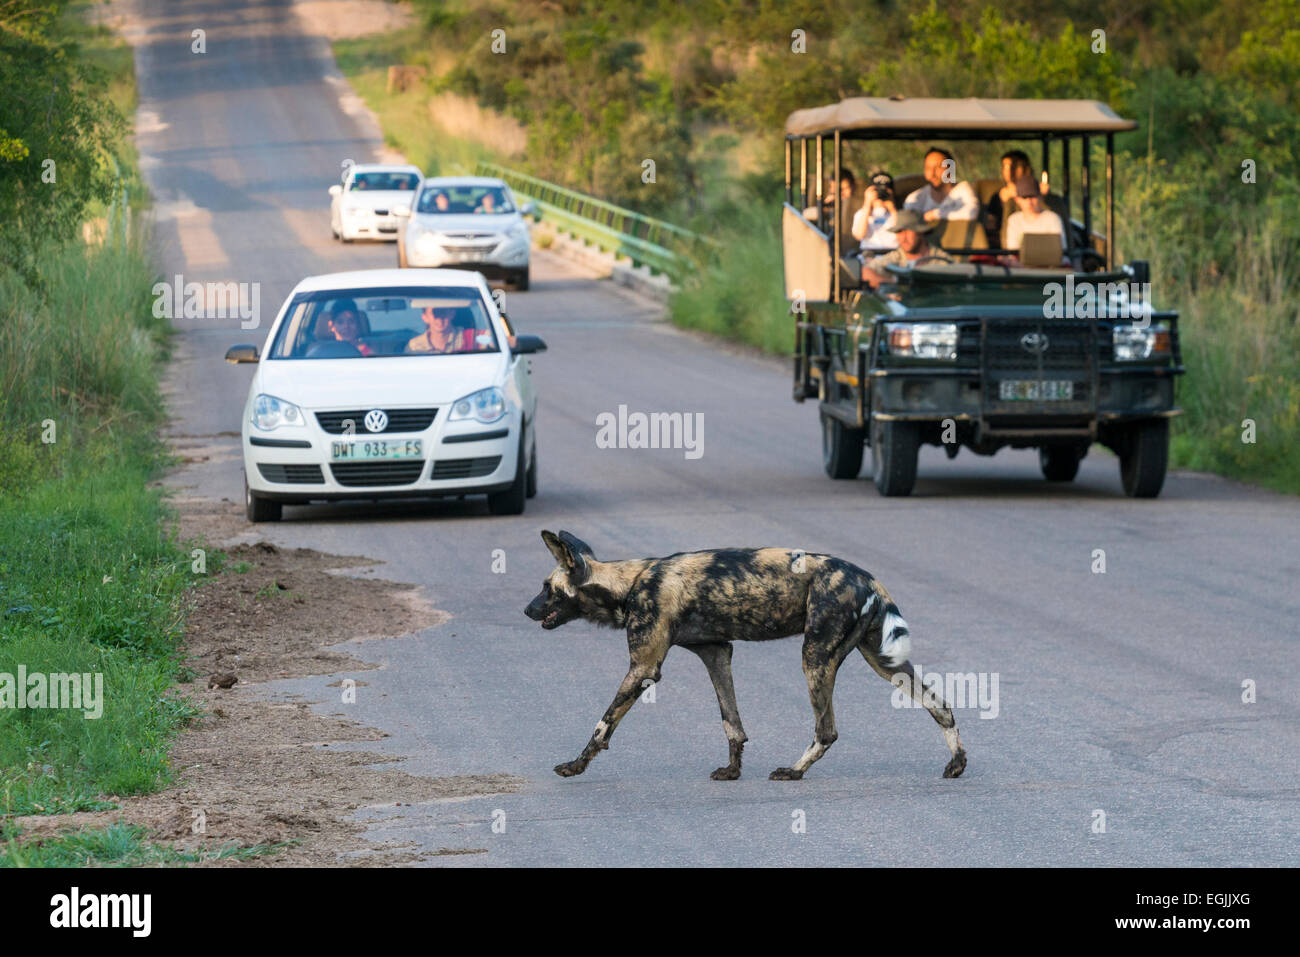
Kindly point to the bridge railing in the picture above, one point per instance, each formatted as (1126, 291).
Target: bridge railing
(660, 246)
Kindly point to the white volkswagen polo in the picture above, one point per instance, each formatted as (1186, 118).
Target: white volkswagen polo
(390, 383)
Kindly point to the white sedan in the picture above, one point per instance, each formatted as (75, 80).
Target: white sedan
(363, 205)
(390, 383)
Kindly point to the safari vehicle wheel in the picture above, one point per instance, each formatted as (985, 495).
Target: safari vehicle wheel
(1060, 463)
(531, 481)
(1145, 458)
(841, 449)
(512, 500)
(258, 509)
(894, 447)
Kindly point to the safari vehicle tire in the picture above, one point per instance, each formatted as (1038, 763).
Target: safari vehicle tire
(531, 482)
(258, 509)
(841, 449)
(1060, 463)
(513, 499)
(1144, 458)
(894, 448)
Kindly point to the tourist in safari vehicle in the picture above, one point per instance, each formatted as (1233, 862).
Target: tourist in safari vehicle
(1035, 337)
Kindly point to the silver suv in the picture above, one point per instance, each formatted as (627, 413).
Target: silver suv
(466, 222)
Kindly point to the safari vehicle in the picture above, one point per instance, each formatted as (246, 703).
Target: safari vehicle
(975, 353)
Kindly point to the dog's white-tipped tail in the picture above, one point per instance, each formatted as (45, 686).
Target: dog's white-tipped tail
(895, 640)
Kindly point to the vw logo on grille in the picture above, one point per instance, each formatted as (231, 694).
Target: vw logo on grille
(1033, 342)
(376, 420)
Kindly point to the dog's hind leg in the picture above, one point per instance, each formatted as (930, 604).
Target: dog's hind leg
(902, 676)
(825, 646)
(717, 658)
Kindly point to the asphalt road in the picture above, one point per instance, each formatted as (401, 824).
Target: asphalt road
(1118, 692)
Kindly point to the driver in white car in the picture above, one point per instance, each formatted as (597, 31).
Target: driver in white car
(913, 247)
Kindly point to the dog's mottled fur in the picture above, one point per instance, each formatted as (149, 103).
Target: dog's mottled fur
(703, 601)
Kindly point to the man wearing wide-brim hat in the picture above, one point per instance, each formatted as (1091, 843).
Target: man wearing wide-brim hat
(913, 232)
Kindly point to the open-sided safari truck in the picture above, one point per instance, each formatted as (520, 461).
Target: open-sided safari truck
(975, 353)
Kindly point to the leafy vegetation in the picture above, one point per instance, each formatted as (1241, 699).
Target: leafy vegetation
(1206, 189)
(89, 583)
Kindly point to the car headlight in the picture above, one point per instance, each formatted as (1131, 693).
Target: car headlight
(428, 240)
(354, 210)
(272, 413)
(485, 405)
(1135, 343)
(517, 231)
(922, 340)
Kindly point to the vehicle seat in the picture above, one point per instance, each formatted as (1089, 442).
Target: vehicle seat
(905, 186)
(963, 234)
(986, 189)
(1040, 250)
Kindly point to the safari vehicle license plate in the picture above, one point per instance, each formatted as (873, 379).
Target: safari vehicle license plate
(376, 449)
(1035, 390)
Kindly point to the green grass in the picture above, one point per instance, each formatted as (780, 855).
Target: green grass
(117, 845)
(404, 117)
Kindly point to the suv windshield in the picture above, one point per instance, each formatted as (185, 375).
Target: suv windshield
(465, 199)
(364, 323)
(379, 181)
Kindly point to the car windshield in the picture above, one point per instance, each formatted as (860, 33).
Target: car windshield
(465, 199)
(381, 181)
(367, 323)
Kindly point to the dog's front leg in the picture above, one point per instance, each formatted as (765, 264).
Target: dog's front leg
(633, 685)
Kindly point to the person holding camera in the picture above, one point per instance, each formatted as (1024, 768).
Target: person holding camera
(874, 221)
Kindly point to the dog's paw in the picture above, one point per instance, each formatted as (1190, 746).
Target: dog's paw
(726, 774)
(956, 766)
(785, 774)
(570, 768)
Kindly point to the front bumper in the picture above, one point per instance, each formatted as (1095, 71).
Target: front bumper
(497, 261)
(458, 458)
(370, 224)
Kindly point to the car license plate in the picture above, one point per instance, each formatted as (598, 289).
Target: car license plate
(1036, 390)
(389, 449)
(466, 256)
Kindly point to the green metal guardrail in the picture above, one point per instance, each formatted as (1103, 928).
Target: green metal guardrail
(645, 241)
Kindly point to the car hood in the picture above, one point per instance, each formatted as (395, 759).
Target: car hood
(379, 198)
(465, 223)
(388, 381)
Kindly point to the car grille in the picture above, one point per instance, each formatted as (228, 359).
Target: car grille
(399, 420)
(466, 468)
(377, 473)
(1070, 355)
(292, 474)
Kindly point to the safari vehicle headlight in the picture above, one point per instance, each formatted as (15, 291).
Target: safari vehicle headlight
(485, 405)
(1135, 343)
(272, 413)
(922, 340)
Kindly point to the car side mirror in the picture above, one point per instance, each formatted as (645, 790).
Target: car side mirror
(336, 190)
(528, 344)
(528, 209)
(402, 210)
(244, 352)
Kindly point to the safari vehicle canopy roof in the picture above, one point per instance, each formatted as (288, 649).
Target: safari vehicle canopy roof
(898, 117)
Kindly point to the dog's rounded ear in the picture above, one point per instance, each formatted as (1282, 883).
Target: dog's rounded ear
(571, 553)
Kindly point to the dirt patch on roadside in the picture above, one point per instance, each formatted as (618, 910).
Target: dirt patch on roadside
(263, 772)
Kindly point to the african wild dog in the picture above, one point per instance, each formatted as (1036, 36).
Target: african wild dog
(703, 601)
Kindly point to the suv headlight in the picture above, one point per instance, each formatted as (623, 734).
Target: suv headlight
(485, 405)
(922, 340)
(428, 240)
(272, 413)
(517, 231)
(1135, 343)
